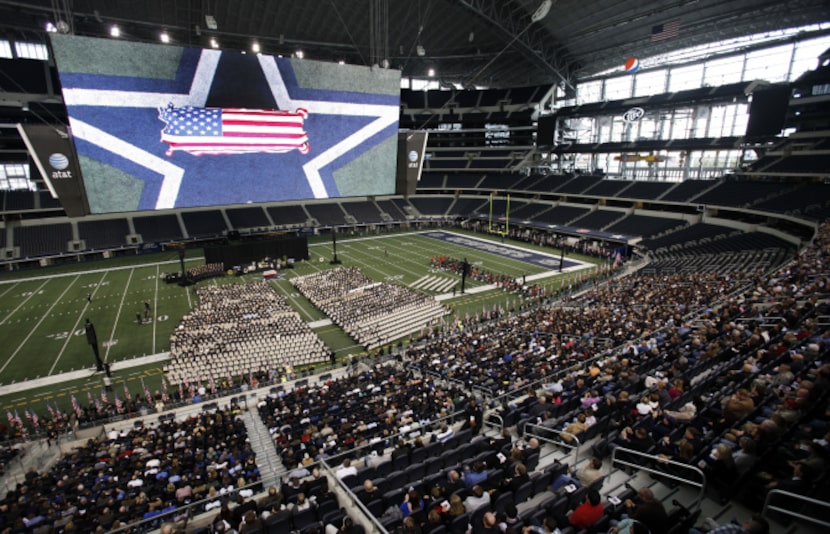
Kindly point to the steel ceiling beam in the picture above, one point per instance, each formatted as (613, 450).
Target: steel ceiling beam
(513, 20)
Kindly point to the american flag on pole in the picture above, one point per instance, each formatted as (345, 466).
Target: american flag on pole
(127, 393)
(119, 406)
(146, 392)
(75, 405)
(104, 398)
(212, 385)
(667, 30)
(222, 131)
(164, 394)
(35, 419)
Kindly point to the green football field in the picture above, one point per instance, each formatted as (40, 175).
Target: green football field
(42, 314)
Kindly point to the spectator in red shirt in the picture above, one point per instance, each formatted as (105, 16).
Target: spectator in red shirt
(587, 513)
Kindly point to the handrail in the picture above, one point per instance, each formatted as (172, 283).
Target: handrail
(567, 444)
(701, 485)
(769, 507)
(355, 500)
(180, 511)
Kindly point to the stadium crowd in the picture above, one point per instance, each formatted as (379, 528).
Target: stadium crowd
(129, 476)
(722, 372)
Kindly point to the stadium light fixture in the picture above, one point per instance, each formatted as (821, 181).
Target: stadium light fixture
(165, 37)
(542, 11)
(300, 54)
(255, 48)
(115, 31)
(431, 73)
(51, 28)
(214, 43)
(341, 62)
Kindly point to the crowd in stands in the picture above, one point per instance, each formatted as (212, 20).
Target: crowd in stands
(364, 409)
(240, 329)
(358, 304)
(122, 477)
(721, 372)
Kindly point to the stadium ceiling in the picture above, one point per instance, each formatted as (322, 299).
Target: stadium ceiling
(494, 43)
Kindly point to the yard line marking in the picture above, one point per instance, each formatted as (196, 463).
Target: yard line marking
(32, 331)
(418, 281)
(3, 294)
(118, 314)
(24, 302)
(75, 326)
(189, 302)
(155, 307)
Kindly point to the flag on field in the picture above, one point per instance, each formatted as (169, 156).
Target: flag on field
(127, 393)
(11, 418)
(146, 392)
(212, 385)
(667, 30)
(89, 397)
(75, 406)
(98, 407)
(222, 131)
(119, 406)
(164, 394)
(51, 410)
(35, 419)
(230, 380)
(104, 397)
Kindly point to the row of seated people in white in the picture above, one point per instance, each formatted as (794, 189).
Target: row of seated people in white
(379, 300)
(178, 372)
(274, 358)
(411, 317)
(192, 348)
(374, 320)
(323, 286)
(242, 337)
(311, 351)
(373, 301)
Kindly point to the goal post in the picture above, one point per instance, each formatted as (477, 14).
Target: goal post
(497, 229)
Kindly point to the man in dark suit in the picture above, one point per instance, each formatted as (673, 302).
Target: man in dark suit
(474, 417)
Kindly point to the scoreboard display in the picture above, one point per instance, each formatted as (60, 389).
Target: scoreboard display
(161, 127)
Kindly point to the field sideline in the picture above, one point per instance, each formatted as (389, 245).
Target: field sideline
(42, 313)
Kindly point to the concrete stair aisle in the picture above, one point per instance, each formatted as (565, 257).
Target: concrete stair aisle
(270, 466)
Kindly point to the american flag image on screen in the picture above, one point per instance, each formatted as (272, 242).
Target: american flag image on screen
(222, 131)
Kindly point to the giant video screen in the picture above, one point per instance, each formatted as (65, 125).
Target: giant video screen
(160, 127)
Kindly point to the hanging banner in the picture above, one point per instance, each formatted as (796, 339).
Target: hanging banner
(54, 155)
